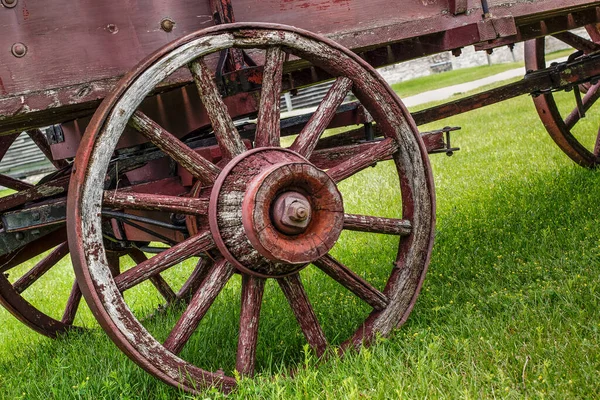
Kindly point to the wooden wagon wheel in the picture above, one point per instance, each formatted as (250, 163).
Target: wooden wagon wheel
(581, 144)
(270, 211)
(15, 282)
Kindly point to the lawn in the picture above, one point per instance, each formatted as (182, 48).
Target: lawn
(509, 308)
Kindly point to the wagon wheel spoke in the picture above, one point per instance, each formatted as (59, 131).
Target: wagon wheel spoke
(198, 275)
(577, 42)
(597, 144)
(190, 247)
(351, 281)
(381, 151)
(307, 139)
(367, 223)
(594, 31)
(158, 281)
(114, 263)
(296, 296)
(198, 166)
(41, 142)
(13, 183)
(41, 268)
(155, 202)
(227, 135)
(588, 101)
(267, 126)
(252, 294)
(215, 281)
(72, 305)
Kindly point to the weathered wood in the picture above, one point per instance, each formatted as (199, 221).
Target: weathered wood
(41, 142)
(368, 223)
(192, 284)
(230, 142)
(351, 281)
(72, 305)
(155, 202)
(320, 120)
(198, 166)
(252, 293)
(41, 268)
(5, 143)
(590, 97)
(379, 152)
(201, 302)
(305, 315)
(158, 281)
(190, 247)
(13, 183)
(577, 42)
(52, 188)
(267, 126)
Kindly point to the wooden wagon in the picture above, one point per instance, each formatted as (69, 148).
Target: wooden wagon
(185, 155)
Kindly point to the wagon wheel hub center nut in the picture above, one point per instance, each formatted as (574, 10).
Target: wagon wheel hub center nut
(272, 212)
(291, 213)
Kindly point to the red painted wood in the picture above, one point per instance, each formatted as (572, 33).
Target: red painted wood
(41, 268)
(368, 223)
(13, 183)
(320, 120)
(72, 305)
(158, 281)
(305, 315)
(351, 281)
(267, 126)
(5, 143)
(591, 96)
(52, 188)
(201, 302)
(156, 202)
(252, 293)
(227, 135)
(201, 168)
(41, 142)
(33, 249)
(379, 152)
(192, 284)
(577, 42)
(182, 251)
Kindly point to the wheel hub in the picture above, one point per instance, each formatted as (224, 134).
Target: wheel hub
(272, 212)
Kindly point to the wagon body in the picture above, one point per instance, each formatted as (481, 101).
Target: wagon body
(77, 51)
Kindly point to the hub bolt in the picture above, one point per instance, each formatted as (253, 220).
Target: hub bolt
(291, 213)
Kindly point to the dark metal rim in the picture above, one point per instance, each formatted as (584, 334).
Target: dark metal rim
(83, 169)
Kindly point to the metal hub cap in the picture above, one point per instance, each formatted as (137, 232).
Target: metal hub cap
(272, 212)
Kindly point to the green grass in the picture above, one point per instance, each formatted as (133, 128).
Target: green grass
(509, 308)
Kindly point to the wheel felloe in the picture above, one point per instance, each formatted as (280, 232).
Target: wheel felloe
(271, 212)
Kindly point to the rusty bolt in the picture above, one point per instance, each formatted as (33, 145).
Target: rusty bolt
(298, 211)
(291, 213)
(9, 3)
(18, 50)
(167, 25)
